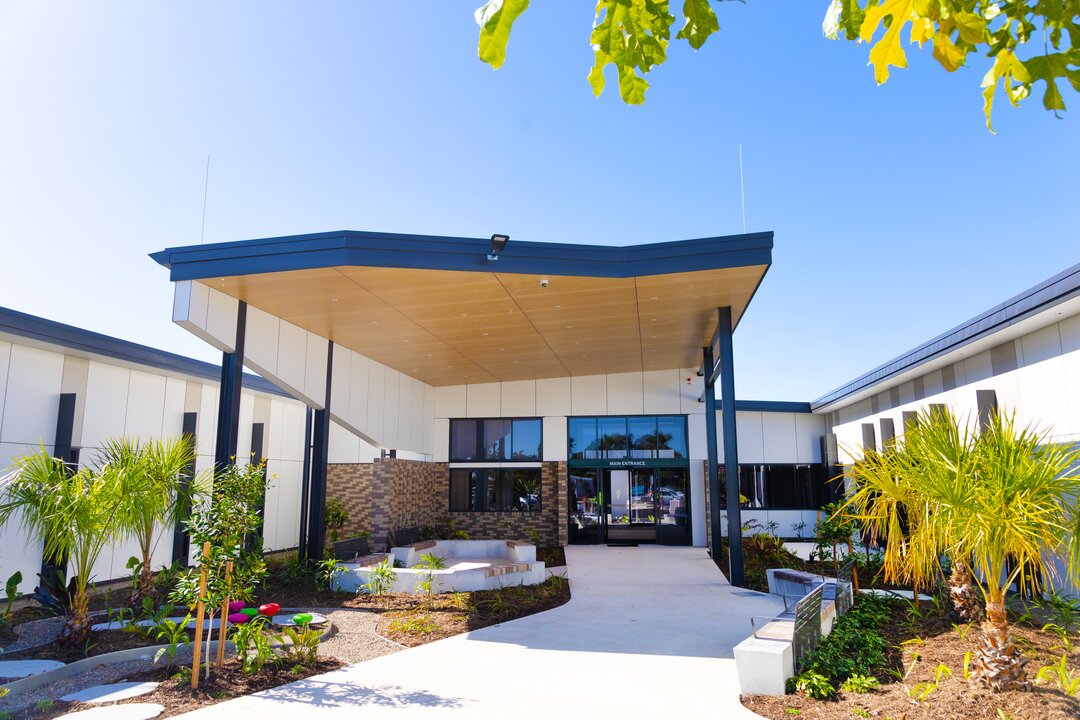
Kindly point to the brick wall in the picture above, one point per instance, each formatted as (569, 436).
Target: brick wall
(392, 493)
(351, 483)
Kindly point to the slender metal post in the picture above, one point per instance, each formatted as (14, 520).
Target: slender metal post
(319, 458)
(232, 376)
(731, 448)
(305, 484)
(711, 454)
(181, 542)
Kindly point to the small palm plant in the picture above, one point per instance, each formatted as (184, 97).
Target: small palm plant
(1004, 504)
(73, 515)
(151, 475)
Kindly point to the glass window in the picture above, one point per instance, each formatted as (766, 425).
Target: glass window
(492, 494)
(782, 486)
(582, 443)
(612, 437)
(642, 431)
(671, 437)
(463, 445)
(464, 487)
(497, 439)
(524, 489)
(527, 438)
(783, 491)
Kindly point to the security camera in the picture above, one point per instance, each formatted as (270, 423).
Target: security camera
(543, 282)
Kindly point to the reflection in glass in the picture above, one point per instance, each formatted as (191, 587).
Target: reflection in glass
(497, 439)
(671, 437)
(585, 502)
(582, 441)
(642, 431)
(671, 500)
(642, 508)
(527, 437)
(524, 489)
(612, 437)
(463, 440)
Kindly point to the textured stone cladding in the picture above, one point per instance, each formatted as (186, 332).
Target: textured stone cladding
(391, 493)
(351, 483)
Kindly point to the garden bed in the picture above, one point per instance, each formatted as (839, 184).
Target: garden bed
(923, 677)
(100, 642)
(177, 697)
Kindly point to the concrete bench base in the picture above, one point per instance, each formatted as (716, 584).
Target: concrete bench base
(764, 666)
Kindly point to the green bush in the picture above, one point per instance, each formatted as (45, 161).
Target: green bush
(856, 645)
(859, 683)
(814, 685)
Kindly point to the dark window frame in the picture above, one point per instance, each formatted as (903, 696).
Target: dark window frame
(480, 443)
(503, 485)
(601, 452)
(820, 487)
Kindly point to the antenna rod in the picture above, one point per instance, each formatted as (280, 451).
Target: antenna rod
(206, 185)
(742, 188)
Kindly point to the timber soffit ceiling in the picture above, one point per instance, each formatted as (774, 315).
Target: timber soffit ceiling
(437, 309)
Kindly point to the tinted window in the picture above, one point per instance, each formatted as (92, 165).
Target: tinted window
(671, 437)
(642, 431)
(612, 437)
(582, 443)
(527, 438)
(463, 440)
(497, 439)
(525, 489)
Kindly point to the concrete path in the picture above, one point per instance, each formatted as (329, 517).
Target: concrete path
(649, 632)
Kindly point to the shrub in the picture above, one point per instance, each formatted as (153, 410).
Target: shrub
(859, 683)
(380, 578)
(856, 645)
(813, 685)
(335, 518)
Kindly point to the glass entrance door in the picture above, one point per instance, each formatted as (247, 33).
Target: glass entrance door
(641, 505)
(672, 507)
(629, 513)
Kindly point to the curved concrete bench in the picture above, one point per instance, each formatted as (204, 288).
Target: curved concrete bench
(470, 565)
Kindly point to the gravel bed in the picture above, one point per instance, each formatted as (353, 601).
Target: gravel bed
(355, 639)
(34, 633)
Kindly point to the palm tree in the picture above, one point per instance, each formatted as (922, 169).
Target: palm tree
(1001, 504)
(73, 515)
(153, 490)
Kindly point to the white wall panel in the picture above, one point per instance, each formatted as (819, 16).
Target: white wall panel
(341, 382)
(696, 440)
(1039, 346)
(519, 398)
(292, 357)
(779, 438)
(450, 401)
(441, 445)
(429, 412)
(207, 425)
(5, 360)
(625, 394)
(318, 351)
(376, 401)
(261, 341)
(553, 397)
(689, 392)
(106, 403)
(145, 405)
(172, 421)
(221, 318)
(977, 367)
(32, 399)
(483, 400)
(809, 429)
(697, 503)
(391, 408)
(243, 431)
(344, 446)
(588, 395)
(292, 429)
(661, 391)
(554, 438)
(751, 442)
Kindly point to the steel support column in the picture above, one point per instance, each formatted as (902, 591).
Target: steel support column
(319, 458)
(713, 469)
(54, 569)
(181, 541)
(731, 448)
(305, 483)
(232, 376)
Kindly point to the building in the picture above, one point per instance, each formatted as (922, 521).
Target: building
(561, 392)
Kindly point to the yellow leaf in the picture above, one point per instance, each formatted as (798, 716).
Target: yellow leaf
(887, 51)
(947, 53)
(922, 30)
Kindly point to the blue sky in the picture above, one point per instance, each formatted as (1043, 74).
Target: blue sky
(897, 215)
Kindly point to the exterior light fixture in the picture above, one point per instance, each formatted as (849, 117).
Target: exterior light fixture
(498, 242)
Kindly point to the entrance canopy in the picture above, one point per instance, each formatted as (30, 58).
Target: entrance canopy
(439, 310)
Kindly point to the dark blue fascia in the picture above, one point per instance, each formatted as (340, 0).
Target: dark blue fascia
(779, 406)
(1061, 287)
(37, 328)
(428, 252)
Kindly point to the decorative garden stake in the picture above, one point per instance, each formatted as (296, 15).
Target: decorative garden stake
(224, 617)
(200, 609)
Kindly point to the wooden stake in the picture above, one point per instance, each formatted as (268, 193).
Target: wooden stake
(223, 626)
(201, 608)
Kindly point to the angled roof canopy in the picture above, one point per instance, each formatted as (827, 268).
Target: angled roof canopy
(437, 309)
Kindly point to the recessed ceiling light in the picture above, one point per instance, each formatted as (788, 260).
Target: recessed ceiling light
(404, 341)
(333, 299)
(429, 354)
(485, 334)
(653, 298)
(559, 307)
(502, 348)
(374, 322)
(654, 319)
(464, 314)
(569, 327)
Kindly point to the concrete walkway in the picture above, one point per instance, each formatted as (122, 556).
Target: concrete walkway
(648, 632)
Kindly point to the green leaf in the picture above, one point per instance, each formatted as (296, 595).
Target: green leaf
(1006, 68)
(1049, 68)
(633, 36)
(972, 27)
(887, 50)
(496, 18)
(701, 22)
(947, 53)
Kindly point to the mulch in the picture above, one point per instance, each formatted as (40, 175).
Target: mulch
(925, 646)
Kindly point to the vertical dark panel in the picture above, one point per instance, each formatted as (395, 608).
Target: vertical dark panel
(62, 450)
(319, 457)
(232, 376)
(257, 455)
(711, 453)
(731, 447)
(869, 440)
(910, 418)
(181, 540)
(888, 432)
(305, 483)
(988, 405)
